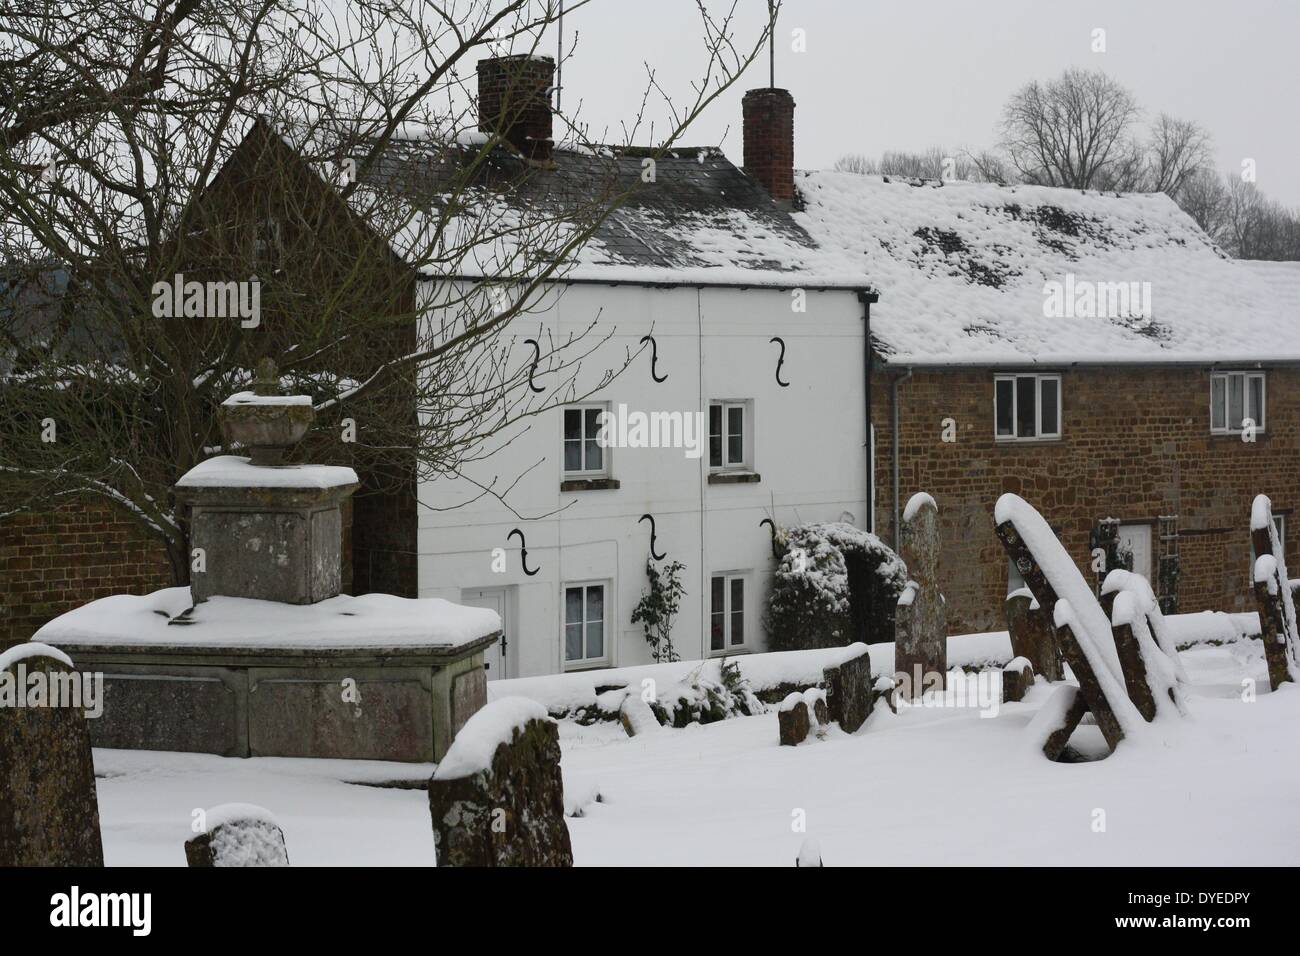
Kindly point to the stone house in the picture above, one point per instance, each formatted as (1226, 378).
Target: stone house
(1095, 354)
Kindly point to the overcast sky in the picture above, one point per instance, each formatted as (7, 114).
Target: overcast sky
(891, 74)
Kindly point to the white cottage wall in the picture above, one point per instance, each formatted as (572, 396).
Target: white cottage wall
(713, 343)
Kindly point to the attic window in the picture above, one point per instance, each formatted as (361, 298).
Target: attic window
(266, 243)
(1026, 407)
(1236, 402)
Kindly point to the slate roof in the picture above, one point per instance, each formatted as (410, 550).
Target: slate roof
(700, 219)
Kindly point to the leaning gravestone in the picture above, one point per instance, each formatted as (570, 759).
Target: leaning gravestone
(497, 797)
(849, 688)
(49, 811)
(1032, 634)
(1277, 617)
(238, 834)
(1083, 630)
(921, 620)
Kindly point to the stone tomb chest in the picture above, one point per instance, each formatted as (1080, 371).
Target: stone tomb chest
(375, 676)
(261, 655)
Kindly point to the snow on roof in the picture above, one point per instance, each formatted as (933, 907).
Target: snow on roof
(367, 621)
(233, 471)
(962, 270)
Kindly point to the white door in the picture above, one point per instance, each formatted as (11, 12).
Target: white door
(1136, 538)
(494, 657)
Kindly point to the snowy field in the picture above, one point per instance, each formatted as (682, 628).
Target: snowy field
(926, 786)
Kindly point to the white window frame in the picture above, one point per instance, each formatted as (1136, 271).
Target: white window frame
(746, 436)
(605, 450)
(607, 618)
(727, 647)
(1246, 377)
(1039, 378)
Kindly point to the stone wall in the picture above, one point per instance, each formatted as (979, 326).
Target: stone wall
(1136, 444)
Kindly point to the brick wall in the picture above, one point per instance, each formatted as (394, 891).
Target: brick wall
(54, 561)
(1136, 445)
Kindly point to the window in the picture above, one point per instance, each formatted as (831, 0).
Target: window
(726, 612)
(583, 454)
(1234, 398)
(1026, 407)
(266, 243)
(584, 623)
(728, 443)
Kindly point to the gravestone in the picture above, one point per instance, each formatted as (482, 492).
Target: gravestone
(921, 620)
(1277, 617)
(637, 717)
(848, 687)
(497, 798)
(802, 714)
(1032, 636)
(1017, 678)
(49, 810)
(238, 834)
(1083, 633)
(792, 720)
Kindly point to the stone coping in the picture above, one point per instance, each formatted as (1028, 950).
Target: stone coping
(85, 654)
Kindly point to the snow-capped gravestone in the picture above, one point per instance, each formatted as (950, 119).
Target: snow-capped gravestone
(1083, 630)
(1017, 678)
(801, 714)
(261, 655)
(920, 620)
(1032, 634)
(49, 810)
(849, 688)
(497, 797)
(238, 834)
(1277, 617)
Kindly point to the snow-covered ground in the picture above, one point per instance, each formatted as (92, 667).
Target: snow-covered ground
(927, 786)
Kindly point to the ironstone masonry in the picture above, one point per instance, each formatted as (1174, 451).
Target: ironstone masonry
(1136, 445)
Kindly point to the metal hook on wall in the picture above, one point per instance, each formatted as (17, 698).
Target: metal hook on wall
(523, 552)
(780, 361)
(654, 358)
(657, 557)
(771, 524)
(537, 357)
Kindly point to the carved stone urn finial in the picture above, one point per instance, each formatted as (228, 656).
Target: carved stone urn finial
(263, 421)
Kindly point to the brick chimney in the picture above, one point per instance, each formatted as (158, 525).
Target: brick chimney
(769, 141)
(514, 101)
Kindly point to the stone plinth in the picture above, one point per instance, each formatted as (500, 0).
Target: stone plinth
(273, 533)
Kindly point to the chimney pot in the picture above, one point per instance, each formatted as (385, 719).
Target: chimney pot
(769, 141)
(514, 102)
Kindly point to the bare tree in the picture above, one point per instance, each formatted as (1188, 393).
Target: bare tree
(936, 162)
(1204, 197)
(318, 157)
(1073, 131)
(1176, 152)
